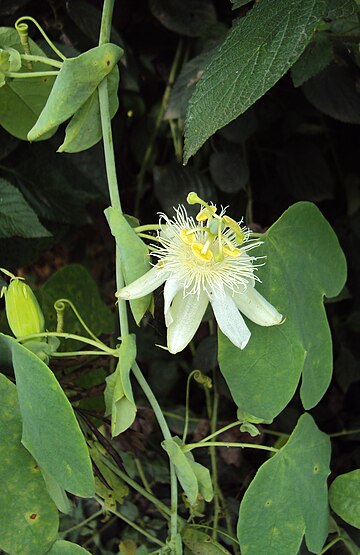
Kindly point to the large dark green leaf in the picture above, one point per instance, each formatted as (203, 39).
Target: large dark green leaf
(29, 519)
(256, 53)
(187, 17)
(304, 263)
(288, 496)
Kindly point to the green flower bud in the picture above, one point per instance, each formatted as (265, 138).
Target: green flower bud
(23, 311)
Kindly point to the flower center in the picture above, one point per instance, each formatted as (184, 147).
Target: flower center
(213, 230)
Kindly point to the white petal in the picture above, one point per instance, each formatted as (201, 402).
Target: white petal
(144, 285)
(257, 308)
(172, 286)
(229, 319)
(187, 314)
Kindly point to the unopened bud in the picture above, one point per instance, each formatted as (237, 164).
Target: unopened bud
(23, 311)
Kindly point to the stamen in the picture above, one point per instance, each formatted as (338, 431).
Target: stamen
(187, 236)
(206, 213)
(198, 248)
(234, 226)
(231, 251)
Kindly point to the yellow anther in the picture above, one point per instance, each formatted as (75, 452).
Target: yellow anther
(187, 236)
(231, 251)
(206, 213)
(233, 225)
(198, 248)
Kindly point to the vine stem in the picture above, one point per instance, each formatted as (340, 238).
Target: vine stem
(105, 31)
(64, 335)
(42, 59)
(192, 446)
(16, 75)
(132, 524)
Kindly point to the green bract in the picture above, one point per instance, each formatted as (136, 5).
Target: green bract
(23, 312)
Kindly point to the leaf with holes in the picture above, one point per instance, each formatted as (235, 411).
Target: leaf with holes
(304, 263)
(257, 52)
(287, 499)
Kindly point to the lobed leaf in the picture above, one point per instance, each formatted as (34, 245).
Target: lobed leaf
(257, 52)
(304, 262)
(287, 499)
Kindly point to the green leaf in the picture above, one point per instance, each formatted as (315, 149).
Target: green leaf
(29, 519)
(183, 469)
(186, 17)
(338, 9)
(77, 80)
(119, 398)
(317, 55)
(51, 432)
(229, 171)
(134, 257)
(344, 497)
(173, 182)
(57, 493)
(22, 100)
(304, 262)
(257, 52)
(75, 283)
(203, 477)
(118, 490)
(62, 547)
(334, 93)
(288, 496)
(17, 218)
(84, 129)
(201, 543)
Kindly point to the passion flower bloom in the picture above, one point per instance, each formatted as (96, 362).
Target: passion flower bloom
(205, 260)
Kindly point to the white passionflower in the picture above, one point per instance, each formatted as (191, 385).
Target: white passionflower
(204, 260)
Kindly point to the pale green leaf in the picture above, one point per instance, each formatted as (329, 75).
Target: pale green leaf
(304, 263)
(51, 432)
(77, 80)
(22, 100)
(134, 257)
(318, 54)
(84, 129)
(344, 497)
(183, 469)
(17, 218)
(288, 496)
(29, 519)
(62, 547)
(119, 398)
(204, 479)
(57, 493)
(257, 52)
(75, 283)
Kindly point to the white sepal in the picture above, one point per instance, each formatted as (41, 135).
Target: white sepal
(187, 313)
(229, 318)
